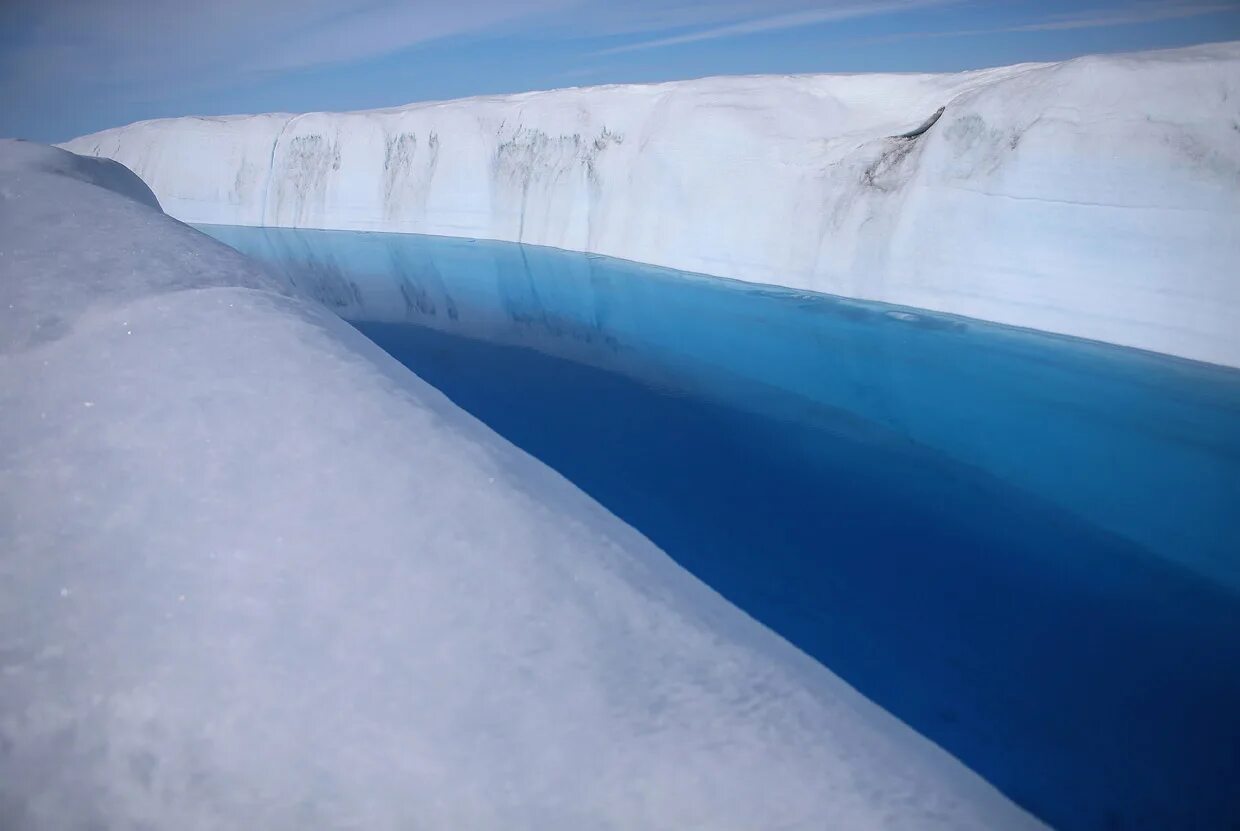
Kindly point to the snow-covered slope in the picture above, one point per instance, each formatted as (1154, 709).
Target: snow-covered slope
(1097, 197)
(255, 574)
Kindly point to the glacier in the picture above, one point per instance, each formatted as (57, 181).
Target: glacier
(254, 573)
(1096, 197)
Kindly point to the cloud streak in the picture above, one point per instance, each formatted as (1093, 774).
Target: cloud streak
(123, 41)
(771, 23)
(1150, 12)
(127, 40)
(1096, 18)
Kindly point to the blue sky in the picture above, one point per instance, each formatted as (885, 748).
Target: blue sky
(69, 67)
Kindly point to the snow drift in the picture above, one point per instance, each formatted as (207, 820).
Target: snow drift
(254, 573)
(1097, 197)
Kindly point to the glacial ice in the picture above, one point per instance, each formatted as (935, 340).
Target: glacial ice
(254, 573)
(1095, 197)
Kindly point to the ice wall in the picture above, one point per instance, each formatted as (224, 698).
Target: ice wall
(1096, 197)
(255, 574)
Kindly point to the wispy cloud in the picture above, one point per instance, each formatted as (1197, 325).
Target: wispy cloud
(1146, 11)
(152, 50)
(165, 42)
(788, 20)
(129, 40)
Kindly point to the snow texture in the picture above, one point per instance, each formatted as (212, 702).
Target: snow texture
(1096, 197)
(255, 574)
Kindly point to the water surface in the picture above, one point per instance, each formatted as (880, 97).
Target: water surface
(1025, 546)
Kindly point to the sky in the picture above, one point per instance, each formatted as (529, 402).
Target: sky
(69, 67)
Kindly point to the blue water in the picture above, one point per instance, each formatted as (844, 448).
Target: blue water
(1025, 546)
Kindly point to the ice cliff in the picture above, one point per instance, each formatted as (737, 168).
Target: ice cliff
(1096, 197)
(256, 574)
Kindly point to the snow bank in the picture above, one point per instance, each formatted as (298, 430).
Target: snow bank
(253, 573)
(1096, 197)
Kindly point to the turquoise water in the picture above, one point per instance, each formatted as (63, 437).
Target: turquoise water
(1024, 546)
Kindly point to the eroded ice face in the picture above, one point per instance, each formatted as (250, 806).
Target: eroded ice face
(1094, 197)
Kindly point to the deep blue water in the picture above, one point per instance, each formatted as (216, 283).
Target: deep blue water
(1025, 546)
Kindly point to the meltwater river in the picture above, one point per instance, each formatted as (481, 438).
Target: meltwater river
(1025, 546)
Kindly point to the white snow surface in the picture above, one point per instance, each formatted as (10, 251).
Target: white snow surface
(256, 574)
(1096, 197)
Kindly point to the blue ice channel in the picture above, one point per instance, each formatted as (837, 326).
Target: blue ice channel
(1025, 546)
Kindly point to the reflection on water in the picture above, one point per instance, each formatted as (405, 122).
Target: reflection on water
(1024, 546)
